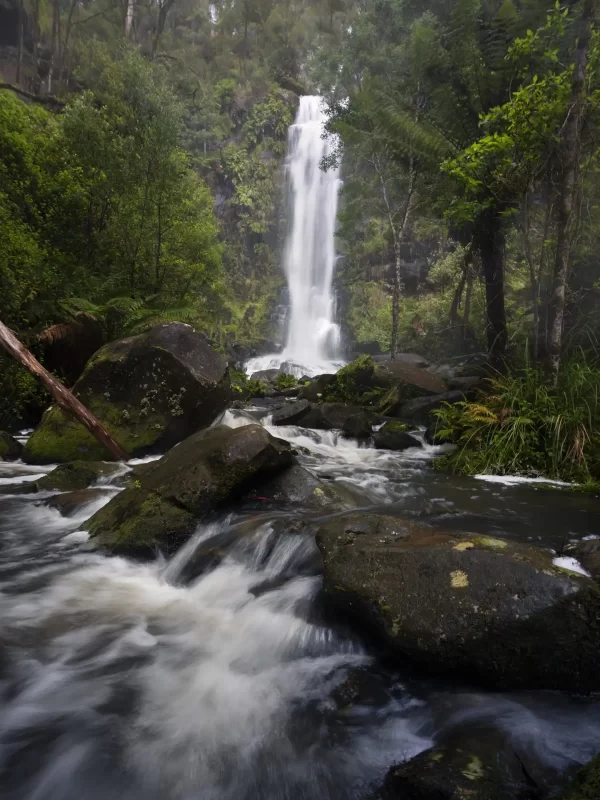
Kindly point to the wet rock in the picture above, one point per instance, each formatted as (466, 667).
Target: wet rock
(316, 388)
(483, 765)
(10, 448)
(395, 436)
(70, 503)
(329, 416)
(299, 487)
(291, 413)
(357, 426)
(587, 552)
(192, 480)
(586, 785)
(484, 608)
(421, 408)
(151, 391)
(267, 375)
(76, 475)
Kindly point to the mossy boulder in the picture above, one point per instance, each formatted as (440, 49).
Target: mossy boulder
(10, 448)
(315, 389)
(483, 765)
(396, 436)
(150, 391)
(586, 785)
(76, 475)
(206, 470)
(480, 607)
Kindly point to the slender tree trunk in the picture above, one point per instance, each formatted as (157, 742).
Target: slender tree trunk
(62, 77)
(456, 300)
(53, 43)
(491, 246)
(570, 158)
(533, 278)
(467, 311)
(64, 398)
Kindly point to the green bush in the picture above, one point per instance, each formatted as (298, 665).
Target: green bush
(285, 381)
(520, 425)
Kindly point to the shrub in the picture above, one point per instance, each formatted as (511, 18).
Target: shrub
(520, 425)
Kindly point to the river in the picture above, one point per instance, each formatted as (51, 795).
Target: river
(176, 681)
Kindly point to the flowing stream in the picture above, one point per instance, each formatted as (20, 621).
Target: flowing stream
(194, 680)
(313, 338)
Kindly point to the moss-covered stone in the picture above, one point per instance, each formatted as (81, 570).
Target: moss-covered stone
(10, 448)
(586, 785)
(484, 765)
(150, 391)
(76, 475)
(163, 505)
(395, 436)
(502, 614)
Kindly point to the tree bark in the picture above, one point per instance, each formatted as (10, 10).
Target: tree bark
(64, 398)
(569, 159)
(491, 248)
(533, 278)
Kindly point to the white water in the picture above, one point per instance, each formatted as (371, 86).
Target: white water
(179, 681)
(313, 338)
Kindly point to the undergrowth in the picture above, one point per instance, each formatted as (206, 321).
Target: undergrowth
(520, 425)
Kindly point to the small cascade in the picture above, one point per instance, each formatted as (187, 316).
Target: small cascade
(313, 338)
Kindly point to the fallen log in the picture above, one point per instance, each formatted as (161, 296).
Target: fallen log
(64, 398)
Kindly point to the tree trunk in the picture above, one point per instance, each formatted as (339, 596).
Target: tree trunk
(533, 278)
(65, 399)
(397, 291)
(569, 159)
(467, 311)
(491, 247)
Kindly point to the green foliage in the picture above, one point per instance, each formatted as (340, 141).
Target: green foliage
(22, 397)
(244, 386)
(520, 425)
(285, 381)
(355, 383)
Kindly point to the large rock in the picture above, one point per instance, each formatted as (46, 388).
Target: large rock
(151, 391)
(76, 475)
(587, 552)
(193, 479)
(267, 375)
(329, 416)
(357, 426)
(483, 765)
(421, 408)
(291, 413)
(316, 388)
(483, 608)
(395, 436)
(10, 448)
(299, 487)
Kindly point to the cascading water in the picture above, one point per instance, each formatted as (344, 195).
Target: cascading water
(313, 338)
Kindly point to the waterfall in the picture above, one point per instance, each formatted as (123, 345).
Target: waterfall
(313, 338)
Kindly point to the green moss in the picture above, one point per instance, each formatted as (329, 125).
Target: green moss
(10, 448)
(60, 438)
(126, 525)
(75, 475)
(586, 785)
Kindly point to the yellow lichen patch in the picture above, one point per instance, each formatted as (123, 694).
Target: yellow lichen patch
(474, 769)
(464, 546)
(488, 541)
(459, 579)
(436, 756)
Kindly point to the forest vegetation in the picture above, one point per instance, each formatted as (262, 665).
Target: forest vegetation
(141, 152)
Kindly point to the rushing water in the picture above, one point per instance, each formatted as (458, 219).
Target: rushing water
(313, 338)
(182, 681)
